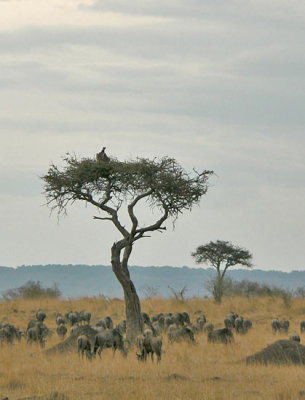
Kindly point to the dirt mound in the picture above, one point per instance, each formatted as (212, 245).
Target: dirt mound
(71, 342)
(280, 352)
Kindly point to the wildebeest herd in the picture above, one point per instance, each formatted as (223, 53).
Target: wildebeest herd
(177, 327)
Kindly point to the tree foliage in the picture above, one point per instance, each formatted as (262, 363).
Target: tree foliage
(163, 182)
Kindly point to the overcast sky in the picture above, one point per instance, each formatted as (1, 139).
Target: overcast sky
(218, 85)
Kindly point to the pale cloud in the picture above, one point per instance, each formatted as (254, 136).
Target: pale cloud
(18, 14)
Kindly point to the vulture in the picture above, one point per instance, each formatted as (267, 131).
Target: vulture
(102, 156)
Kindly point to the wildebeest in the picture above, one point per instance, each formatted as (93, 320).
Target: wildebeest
(84, 346)
(9, 332)
(147, 343)
(36, 334)
(295, 337)
(157, 328)
(60, 320)
(280, 326)
(302, 326)
(239, 324)
(229, 321)
(276, 325)
(247, 324)
(145, 317)
(284, 325)
(110, 338)
(40, 315)
(223, 335)
(61, 330)
(209, 327)
(121, 326)
(72, 317)
(176, 334)
(84, 316)
(105, 322)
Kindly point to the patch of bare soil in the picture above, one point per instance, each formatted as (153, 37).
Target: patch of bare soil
(71, 342)
(279, 352)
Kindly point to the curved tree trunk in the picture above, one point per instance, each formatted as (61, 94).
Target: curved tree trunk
(134, 319)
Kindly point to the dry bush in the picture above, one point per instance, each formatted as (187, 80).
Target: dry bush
(202, 371)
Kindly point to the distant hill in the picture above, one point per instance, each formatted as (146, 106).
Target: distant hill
(92, 280)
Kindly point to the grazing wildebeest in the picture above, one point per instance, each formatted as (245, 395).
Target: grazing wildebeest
(247, 324)
(84, 316)
(9, 332)
(146, 318)
(239, 324)
(106, 323)
(40, 315)
(157, 328)
(223, 335)
(209, 327)
(284, 325)
(168, 320)
(229, 321)
(179, 334)
(157, 317)
(302, 326)
(276, 325)
(36, 334)
(295, 337)
(147, 343)
(186, 316)
(84, 346)
(201, 318)
(60, 320)
(61, 330)
(73, 317)
(121, 326)
(110, 338)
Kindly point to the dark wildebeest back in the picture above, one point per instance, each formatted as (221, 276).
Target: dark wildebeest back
(223, 335)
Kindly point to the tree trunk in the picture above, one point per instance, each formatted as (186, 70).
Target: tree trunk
(218, 289)
(134, 319)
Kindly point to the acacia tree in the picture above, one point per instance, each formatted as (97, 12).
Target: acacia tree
(111, 187)
(221, 255)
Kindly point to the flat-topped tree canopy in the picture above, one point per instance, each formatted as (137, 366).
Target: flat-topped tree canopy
(108, 184)
(163, 182)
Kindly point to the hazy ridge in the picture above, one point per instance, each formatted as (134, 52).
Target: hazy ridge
(91, 280)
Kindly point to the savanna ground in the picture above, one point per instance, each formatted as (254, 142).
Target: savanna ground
(202, 371)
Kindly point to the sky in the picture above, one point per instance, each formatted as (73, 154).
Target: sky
(218, 85)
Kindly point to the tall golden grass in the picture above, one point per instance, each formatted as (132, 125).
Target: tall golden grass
(202, 371)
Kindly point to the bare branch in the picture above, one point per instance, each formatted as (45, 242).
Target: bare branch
(103, 219)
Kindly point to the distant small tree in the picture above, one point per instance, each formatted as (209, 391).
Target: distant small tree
(221, 255)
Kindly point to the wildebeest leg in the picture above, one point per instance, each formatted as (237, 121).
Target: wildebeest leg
(113, 351)
(152, 356)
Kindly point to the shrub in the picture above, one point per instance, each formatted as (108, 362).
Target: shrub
(31, 290)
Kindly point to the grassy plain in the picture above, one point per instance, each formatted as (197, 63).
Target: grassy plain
(203, 371)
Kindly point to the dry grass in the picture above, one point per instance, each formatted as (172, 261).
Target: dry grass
(203, 371)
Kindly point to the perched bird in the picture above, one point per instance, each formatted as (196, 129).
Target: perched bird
(102, 156)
